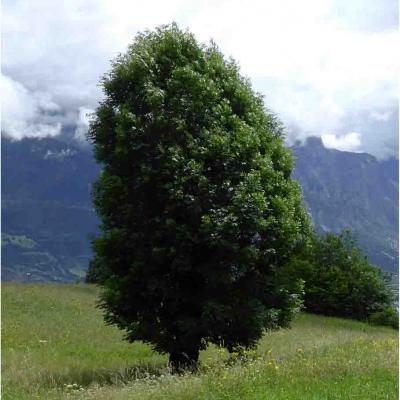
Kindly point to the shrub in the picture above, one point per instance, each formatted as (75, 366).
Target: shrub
(339, 280)
(387, 317)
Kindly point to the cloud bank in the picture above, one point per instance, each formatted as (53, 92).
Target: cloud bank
(26, 114)
(328, 68)
(348, 142)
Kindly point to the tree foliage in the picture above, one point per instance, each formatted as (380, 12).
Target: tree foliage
(339, 280)
(198, 209)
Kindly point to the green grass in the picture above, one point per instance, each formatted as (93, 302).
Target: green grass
(56, 346)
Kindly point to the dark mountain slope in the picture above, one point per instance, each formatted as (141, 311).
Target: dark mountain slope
(354, 190)
(48, 217)
(47, 214)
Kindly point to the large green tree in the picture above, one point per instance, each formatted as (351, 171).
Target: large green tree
(197, 205)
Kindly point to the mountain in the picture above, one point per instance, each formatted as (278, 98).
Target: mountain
(352, 190)
(48, 217)
(47, 214)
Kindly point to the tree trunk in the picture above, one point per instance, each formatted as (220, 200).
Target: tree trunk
(184, 360)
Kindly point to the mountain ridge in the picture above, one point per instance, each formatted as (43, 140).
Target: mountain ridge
(48, 217)
(352, 190)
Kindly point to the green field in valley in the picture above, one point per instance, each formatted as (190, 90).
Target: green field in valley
(56, 346)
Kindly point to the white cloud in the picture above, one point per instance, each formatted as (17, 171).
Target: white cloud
(348, 142)
(381, 115)
(59, 156)
(26, 114)
(82, 124)
(316, 70)
(319, 63)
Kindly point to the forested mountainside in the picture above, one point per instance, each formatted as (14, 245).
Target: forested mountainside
(46, 210)
(48, 217)
(352, 190)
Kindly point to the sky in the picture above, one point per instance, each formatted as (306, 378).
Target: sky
(327, 68)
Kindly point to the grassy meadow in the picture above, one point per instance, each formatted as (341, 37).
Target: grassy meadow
(56, 346)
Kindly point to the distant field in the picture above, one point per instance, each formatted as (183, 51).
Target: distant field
(56, 346)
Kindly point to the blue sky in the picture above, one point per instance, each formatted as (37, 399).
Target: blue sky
(328, 68)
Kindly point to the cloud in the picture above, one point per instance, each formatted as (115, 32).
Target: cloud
(82, 124)
(59, 156)
(320, 63)
(381, 116)
(61, 50)
(348, 142)
(25, 113)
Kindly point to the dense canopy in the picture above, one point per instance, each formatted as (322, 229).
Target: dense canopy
(197, 205)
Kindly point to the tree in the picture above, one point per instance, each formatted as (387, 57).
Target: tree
(197, 205)
(93, 273)
(340, 281)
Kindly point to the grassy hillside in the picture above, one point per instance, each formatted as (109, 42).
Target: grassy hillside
(55, 346)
